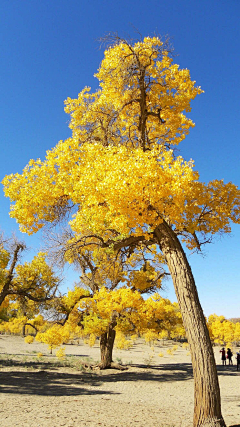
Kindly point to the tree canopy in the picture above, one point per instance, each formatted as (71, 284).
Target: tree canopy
(118, 172)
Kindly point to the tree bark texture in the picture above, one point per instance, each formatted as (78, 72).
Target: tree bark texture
(106, 346)
(207, 402)
(8, 281)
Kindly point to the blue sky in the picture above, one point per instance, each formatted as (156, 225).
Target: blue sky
(50, 50)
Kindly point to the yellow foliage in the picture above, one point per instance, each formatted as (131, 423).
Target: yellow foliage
(4, 258)
(237, 332)
(15, 325)
(38, 275)
(29, 339)
(61, 353)
(150, 336)
(122, 342)
(120, 90)
(163, 334)
(26, 290)
(117, 168)
(73, 296)
(134, 337)
(152, 318)
(54, 336)
(92, 340)
(222, 331)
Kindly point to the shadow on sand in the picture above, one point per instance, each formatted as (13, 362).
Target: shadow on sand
(41, 378)
(49, 383)
(53, 383)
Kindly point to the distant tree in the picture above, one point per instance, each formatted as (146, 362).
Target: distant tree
(25, 288)
(223, 331)
(110, 289)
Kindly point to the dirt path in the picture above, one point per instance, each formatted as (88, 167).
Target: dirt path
(155, 391)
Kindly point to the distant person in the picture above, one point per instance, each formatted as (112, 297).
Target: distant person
(238, 359)
(223, 356)
(229, 356)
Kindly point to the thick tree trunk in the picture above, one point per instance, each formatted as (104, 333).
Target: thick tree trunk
(106, 346)
(207, 403)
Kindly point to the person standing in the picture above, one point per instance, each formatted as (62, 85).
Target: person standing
(223, 356)
(238, 359)
(229, 356)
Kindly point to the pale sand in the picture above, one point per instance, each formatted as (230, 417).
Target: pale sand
(145, 396)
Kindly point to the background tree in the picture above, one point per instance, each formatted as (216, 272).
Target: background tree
(222, 331)
(109, 299)
(120, 313)
(119, 175)
(25, 289)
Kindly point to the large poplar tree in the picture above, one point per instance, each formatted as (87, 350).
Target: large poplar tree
(119, 175)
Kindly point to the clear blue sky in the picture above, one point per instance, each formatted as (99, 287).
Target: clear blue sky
(50, 50)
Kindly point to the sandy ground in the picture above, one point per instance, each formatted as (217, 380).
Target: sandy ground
(155, 391)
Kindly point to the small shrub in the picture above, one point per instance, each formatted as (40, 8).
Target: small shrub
(29, 339)
(61, 353)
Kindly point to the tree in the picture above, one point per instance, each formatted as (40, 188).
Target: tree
(222, 331)
(110, 314)
(119, 176)
(25, 288)
(112, 298)
(54, 337)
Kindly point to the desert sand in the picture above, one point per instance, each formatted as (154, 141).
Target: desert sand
(154, 391)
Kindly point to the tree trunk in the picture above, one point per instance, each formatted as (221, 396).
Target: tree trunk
(106, 346)
(24, 329)
(8, 280)
(207, 402)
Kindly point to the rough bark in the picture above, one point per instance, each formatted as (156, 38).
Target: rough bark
(8, 281)
(106, 346)
(207, 403)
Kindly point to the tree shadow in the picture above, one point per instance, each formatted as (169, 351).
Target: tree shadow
(39, 364)
(50, 383)
(161, 373)
(227, 370)
(54, 383)
(45, 378)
